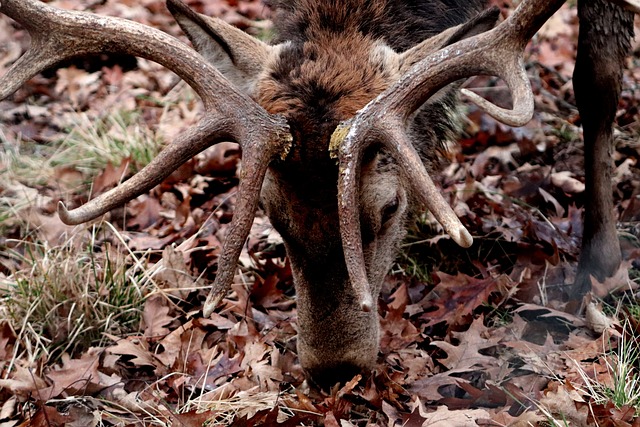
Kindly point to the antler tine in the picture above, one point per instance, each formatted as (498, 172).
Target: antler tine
(349, 151)
(505, 59)
(353, 138)
(496, 52)
(397, 141)
(206, 132)
(256, 157)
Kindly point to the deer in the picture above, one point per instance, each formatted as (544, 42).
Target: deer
(342, 120)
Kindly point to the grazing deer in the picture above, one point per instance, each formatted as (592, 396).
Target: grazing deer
(341, 121)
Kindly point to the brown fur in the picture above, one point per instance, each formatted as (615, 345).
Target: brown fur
(338, 70)
(329, 59)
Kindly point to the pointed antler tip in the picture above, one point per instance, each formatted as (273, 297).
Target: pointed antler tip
(210, 304)
(464, 239)
(64, 214)
(207, 310)
(519, 116)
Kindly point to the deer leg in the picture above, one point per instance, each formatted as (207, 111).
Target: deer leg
(604, 41)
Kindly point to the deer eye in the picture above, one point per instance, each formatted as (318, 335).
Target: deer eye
(389, 210)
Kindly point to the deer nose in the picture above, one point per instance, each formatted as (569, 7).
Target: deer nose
(328, 376)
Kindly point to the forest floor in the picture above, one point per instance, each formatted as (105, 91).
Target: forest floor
(101, 323)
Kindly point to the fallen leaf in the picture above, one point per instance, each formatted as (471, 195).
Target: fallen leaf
(155, 317)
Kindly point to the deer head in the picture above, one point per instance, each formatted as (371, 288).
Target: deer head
(317, 78)
(339, 126)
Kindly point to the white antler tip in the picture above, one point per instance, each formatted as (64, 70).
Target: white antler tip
(207, 310)
(466, 238)
(64, 215)
(463, 237)
(213, 299)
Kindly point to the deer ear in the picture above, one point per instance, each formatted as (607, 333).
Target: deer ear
(237, 55)
(482, 22)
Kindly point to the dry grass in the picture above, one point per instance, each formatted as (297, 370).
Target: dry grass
(63, 287)
(64, 298)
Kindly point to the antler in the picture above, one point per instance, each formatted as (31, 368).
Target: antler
(496, 52)
(230, 115)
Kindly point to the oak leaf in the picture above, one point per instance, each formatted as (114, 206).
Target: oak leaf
(457, 296)
(155, 317)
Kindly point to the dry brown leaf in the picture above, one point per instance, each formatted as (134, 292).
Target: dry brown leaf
(20, 195)
(558, 210)
(551, 312)
(561, 401)
(330, 420)
(77, 85)
(110, 176)
(620, 280)
(504, 155)
(458, 296)
(22, 381)
(7, 411)
(50, 227)
(68, 178)
(557, 25)
(443, 417)
(180, 345)
(127, 401)
(193, 418)
(526, 419)
(78, 375)
(46, 416)
(398, 331)
(173, 273)
(144, 212)
(259, 367)
(155, 317)
(7, 337)
(466, 354)
(595, 318)
(221, 159)
(136, 351)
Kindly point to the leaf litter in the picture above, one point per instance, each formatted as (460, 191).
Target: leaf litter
(480, 339)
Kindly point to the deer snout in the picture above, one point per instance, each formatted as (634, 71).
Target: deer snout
(334, 350)
(324, 371)
(327, 376)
